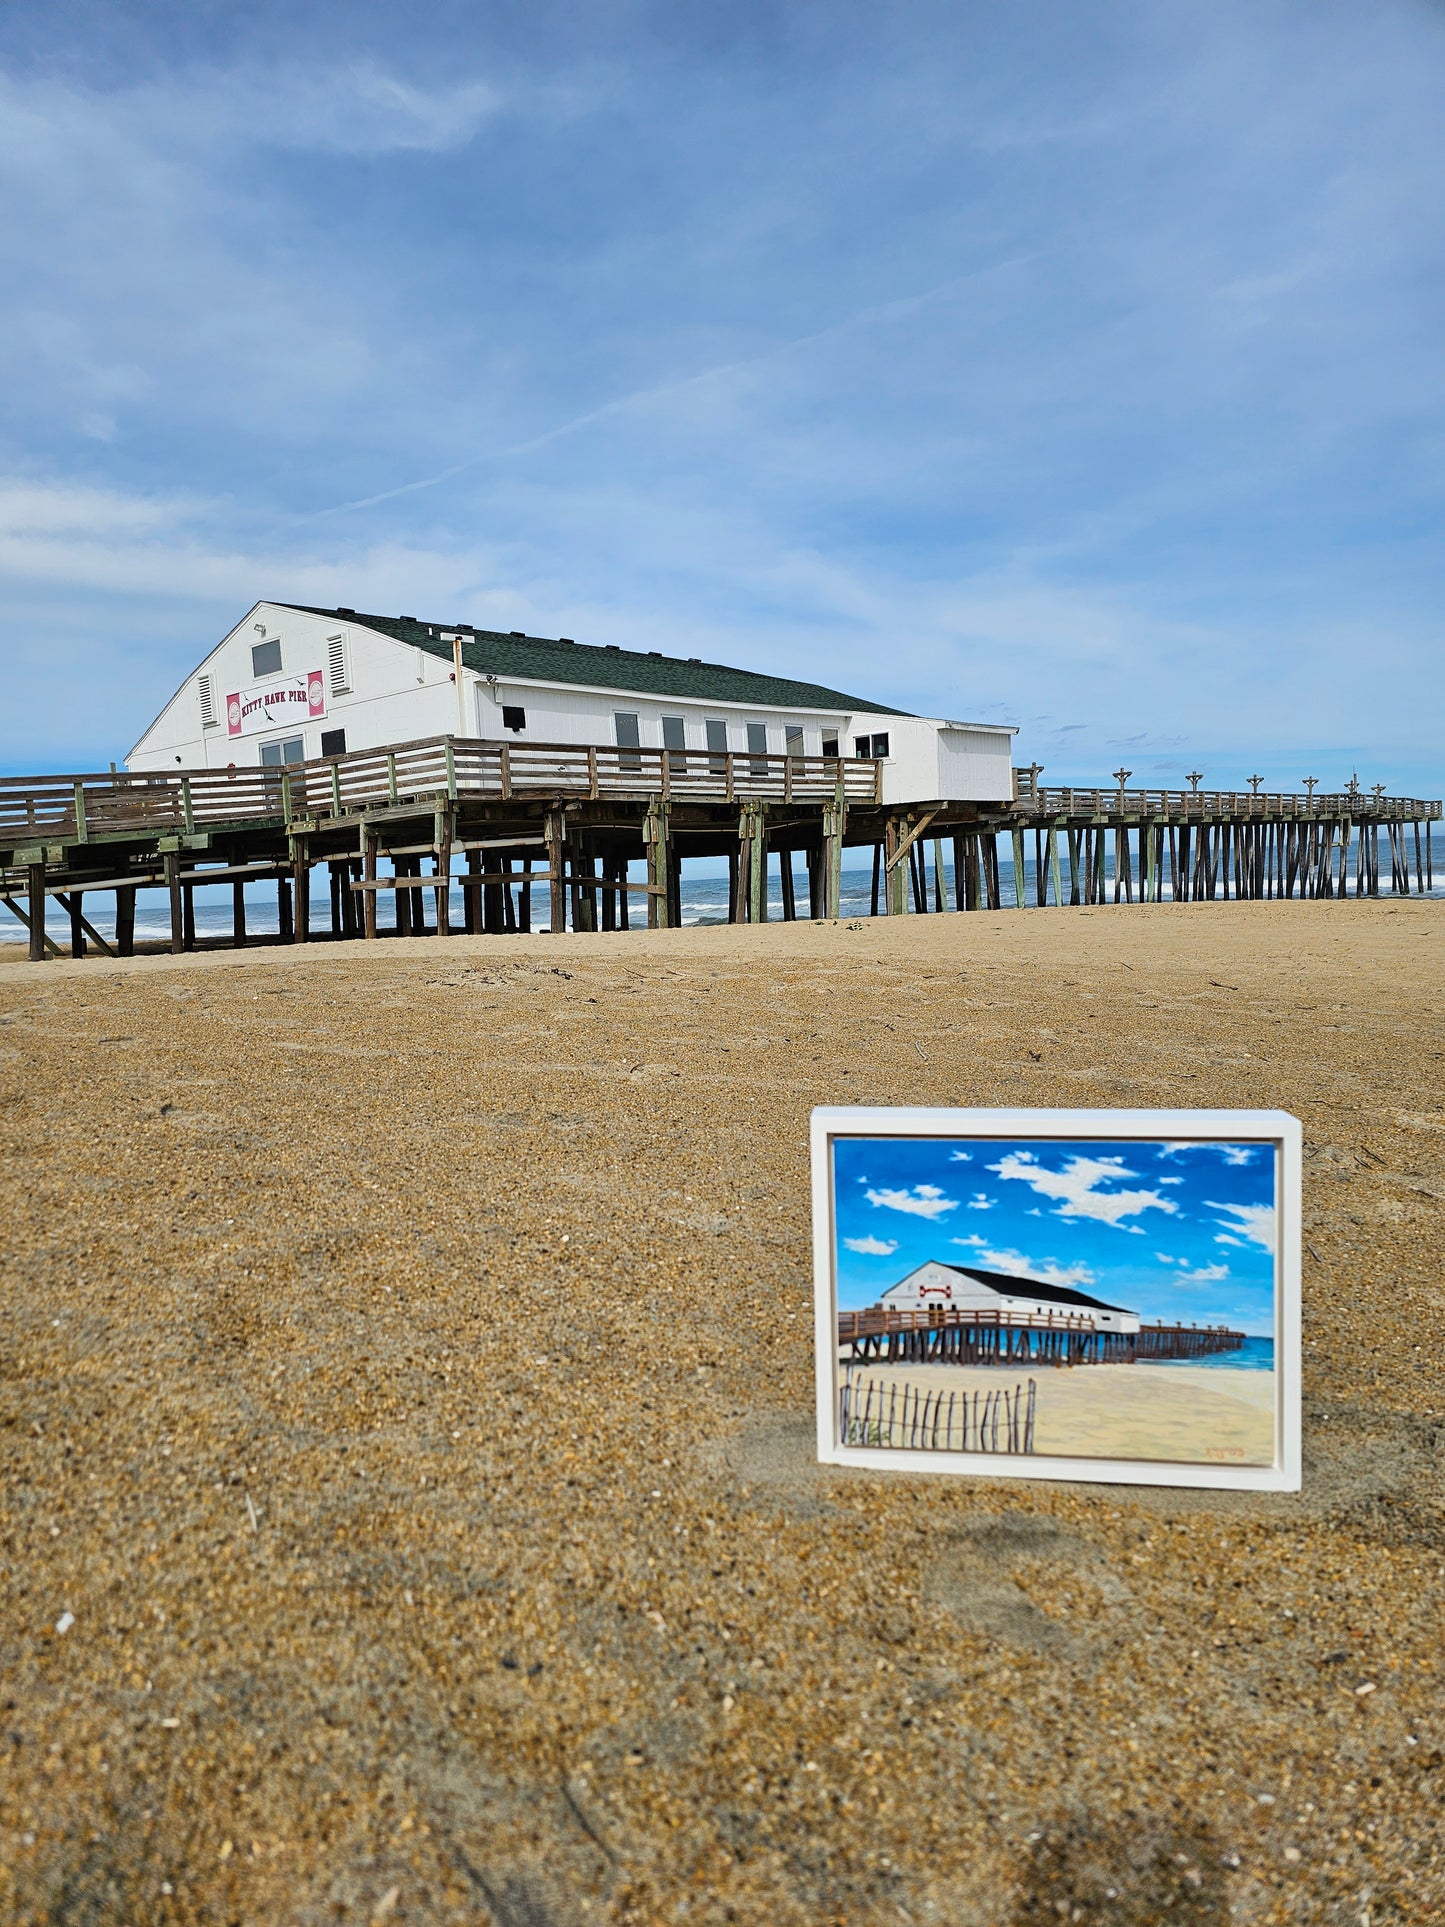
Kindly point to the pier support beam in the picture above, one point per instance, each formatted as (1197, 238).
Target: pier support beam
(125, 921)
(556, 838)
(35, 885)
(172, 866)
(368, 876)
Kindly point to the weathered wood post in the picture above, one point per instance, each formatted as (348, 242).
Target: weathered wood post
(35, 888)
(758, 864)
(1016, 837)
(301, 886)
(77, 922)
(555, 833)
(443, 840)
(188, 915)
(655, 843)
(125, 920)
(368, 877)
(171, 864)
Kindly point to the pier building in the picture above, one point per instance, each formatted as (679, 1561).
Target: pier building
(291, 684)
(966, 1288)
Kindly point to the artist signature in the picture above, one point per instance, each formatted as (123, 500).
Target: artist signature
(1224, 1452)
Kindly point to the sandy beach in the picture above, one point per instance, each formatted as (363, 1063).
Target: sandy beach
(408, 1510)
(1187, 1415)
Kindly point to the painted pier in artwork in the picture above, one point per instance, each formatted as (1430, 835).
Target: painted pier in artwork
(944, 1337)
(537, 835)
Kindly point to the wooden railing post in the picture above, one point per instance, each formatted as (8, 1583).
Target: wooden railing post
(188, 813)
(80, 813)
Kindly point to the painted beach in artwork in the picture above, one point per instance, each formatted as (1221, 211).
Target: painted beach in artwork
(1094, 1299)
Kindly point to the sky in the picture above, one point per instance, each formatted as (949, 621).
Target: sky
(1073, 367)
(1183, 1232)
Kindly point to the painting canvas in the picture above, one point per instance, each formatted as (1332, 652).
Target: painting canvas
(1069, 1294)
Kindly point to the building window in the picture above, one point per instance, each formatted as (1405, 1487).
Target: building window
(291, 749)
(266, 658)
(207, 691)
(629, 736)
(338, 666)
(880, 746)
(830, 742)
(717, 742)
(674, 732)
(333, 742)
(514, 717)
(870, 746)
(793, 740)
(758, 747)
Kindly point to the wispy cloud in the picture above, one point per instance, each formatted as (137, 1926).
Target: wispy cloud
(872, 1247)
(1015, 1264)
(1084, 1187)
(921, 1201)
(1254, 1222)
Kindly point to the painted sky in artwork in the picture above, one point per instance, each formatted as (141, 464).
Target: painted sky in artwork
(1174, 1231)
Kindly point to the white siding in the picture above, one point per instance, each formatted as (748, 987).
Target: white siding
(382, 691)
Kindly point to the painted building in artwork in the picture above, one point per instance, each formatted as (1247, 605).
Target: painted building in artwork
(967, 1288)
(291, 684)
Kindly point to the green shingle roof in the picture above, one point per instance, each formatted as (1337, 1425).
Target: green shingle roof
(491, 653)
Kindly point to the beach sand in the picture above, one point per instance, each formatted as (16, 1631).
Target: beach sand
(1187, 1414)
(406, 1412)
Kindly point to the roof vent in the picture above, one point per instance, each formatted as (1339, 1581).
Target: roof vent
(696, 659)
(571, 639)
(518, 632)
(345, 612)
(615, 647)
(399, 618)
(655, 652)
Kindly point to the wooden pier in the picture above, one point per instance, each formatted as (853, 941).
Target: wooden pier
(543, 835)
(943, 1337)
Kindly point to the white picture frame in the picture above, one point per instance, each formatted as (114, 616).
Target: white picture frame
(1186, 1131)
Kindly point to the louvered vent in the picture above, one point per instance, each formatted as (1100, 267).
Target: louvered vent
(207, 690)
(339, 667)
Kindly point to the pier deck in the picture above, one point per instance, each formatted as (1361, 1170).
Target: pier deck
(570, 820)
(943, 1337)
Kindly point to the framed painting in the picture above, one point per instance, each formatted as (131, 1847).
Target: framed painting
(1093, 1295)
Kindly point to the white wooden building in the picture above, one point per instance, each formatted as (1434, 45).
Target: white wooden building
(937, 1286)
(289, 684)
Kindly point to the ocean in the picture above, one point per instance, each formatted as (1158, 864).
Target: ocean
(1256, 1355)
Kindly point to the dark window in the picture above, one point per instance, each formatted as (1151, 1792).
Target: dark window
(265, 658)
(880, 746)
(674, 733)
(830, 743)
(629, 736)
(862, 745)
(793, 739)
(333, 742)
(717, 741)
(513, 716)
(758, 748)
(292, 750)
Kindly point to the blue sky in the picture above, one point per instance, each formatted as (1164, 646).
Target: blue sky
(1070, 366)
(1179, 1232)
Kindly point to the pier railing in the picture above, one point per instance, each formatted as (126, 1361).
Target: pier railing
(983, 1337)
(1037, 799)
(64, 808)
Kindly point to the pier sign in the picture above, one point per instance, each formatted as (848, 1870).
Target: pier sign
(275, 703)
(1098, 1295)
